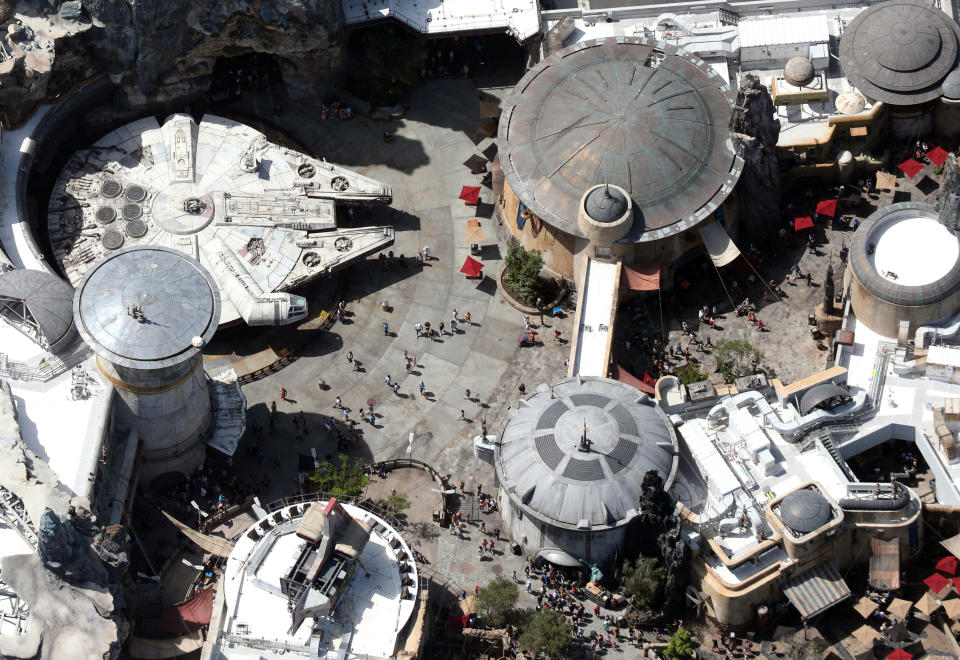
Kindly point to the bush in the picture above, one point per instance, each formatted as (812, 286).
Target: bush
(347, 479)
(737, 358)
(547, 631)
(689, 373)
(496, 599)
(643, 581)
(522, 273)
(681, 646)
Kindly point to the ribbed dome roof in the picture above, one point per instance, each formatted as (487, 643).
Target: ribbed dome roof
(47, 298)
(805, 510)
(605, 204)
(951, 85)
(799, 71)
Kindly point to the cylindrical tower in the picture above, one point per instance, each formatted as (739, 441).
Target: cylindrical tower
(146, 312)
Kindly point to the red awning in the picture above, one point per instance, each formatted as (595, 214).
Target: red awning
(642, 277)
(802, 222)
(470, 194)
(899, 654)
(624, 376)
(937, 156)
(910, 167)
(187, 615)
(471, 267)
(827, 207)
(457, 621)
(947, 565)
(936, 582)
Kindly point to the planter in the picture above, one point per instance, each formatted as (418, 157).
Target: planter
(527, 309)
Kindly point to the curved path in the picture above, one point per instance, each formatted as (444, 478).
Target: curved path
(423, 163)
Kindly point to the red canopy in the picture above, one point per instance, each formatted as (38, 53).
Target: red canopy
(802, 222)
(899, 654)
(937, 156)
(936, 582)
(471, 267)
(910, 167)
(948, 565)
(624, 376)
(470, 195)
(827, 207)
(642, 277)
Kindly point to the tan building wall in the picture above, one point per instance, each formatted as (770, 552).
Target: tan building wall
(884, 317)
(556, 246)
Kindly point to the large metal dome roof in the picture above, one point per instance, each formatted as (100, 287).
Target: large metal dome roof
(900, 51)
(177, 300)
(629, 111)
(805, 510)
(542, 466)
(38, 299)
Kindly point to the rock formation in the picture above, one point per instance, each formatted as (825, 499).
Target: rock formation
(756, 131)
(948, 197)
(166, 48)
(828, 290)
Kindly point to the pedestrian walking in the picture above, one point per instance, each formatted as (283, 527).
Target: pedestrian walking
(346, 415)
(423, 388)
(338, 403)
(556, 336)
(523, 389)
(684, 326)
(372, 419)
(809, 279)
(386, 328)
(283, 394)
(456, 315)
(441, 327)
(396, 389)
(356, 365)
(479, 490)
(414, 361)
(388, 380)
(466, 394)
(453, 326)
(462, 417)
(466, 317)
(350, 357)
(419, 328)
(426, 253)
(420, 260)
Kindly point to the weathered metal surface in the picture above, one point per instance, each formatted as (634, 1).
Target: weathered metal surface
(632, 112)
(900, 52)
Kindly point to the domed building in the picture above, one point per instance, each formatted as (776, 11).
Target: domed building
(40, 306)
(638, 126)
(570, 461)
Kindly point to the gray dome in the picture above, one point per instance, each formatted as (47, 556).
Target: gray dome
(799, 71)
(805, 510)
(605, 204)
(38, 303)
(951, 85)
(541, 465)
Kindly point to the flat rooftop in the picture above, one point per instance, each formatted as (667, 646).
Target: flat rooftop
(913, 250)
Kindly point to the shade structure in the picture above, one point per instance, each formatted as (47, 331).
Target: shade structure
(947, 565)
(471, 267)
(720, 246)
(936, 582)
(937, 156)
(885, 564)
(624, 376)
(802, 222)
(473, 234)
(865, 607)
(476, 164)
(816, 590)
(866, 635)
(886, 181)
(827, 207)
(559, 557)
(470, 194)
(212, 544)
(899, 654)
(899, 607)
(910, 167)
(952, 608)
(641, 277)
(927, 604)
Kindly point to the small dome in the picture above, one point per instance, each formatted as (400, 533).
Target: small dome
(605, 204)
(805, 510)
(850, 103)
(799, 71)
(951, 85)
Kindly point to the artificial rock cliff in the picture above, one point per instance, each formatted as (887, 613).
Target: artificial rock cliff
(166, 49)
(756, 131)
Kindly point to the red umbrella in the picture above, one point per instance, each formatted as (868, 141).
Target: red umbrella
(910, 167)
(802, 222)
(472, 268)
(899, 654)
(948, 565)
(827, 207)
(470, 195)
(936, 582)
(956, 583)
(937, 156)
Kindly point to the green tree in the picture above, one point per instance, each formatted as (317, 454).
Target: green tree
(681, 646)
(522, 271)
(798, 649)
(689, 373)
(736, 358)
(496, 599)
(391, 58)
(347, 479)
(644, 580)
(546, 632)
(395, 504)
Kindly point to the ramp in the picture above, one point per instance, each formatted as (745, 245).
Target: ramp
(590, 349)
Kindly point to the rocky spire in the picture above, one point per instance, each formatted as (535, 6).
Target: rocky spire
(828, 290)
(948, 197)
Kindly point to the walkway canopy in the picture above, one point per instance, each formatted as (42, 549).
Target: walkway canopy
(558, 557)
(819, 394)
(719, 245)
(641, 277)
(816, 590)
(885, 564)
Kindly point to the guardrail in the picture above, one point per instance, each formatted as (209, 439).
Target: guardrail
(47, 369)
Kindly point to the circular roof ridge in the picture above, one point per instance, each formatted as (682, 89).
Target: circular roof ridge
(141, 307)
(605, 204)
(47, 297)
